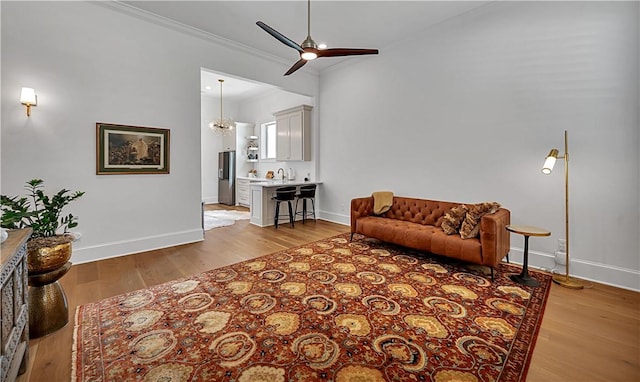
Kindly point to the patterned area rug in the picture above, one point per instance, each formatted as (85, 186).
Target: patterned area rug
(332, 310)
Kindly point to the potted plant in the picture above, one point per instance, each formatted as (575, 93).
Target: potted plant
(48, 248)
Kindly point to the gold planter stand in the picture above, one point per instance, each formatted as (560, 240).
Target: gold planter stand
(47, 260)
(48, 309)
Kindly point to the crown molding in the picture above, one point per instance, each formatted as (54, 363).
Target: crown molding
(151, 17)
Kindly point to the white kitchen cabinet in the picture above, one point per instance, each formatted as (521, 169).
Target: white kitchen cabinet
(260, 206)
(243, 191)
(229, 141)
(293, 134)
(263, 207)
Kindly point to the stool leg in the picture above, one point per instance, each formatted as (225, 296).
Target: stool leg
(304, 209)
(275, 218)
(290, 214)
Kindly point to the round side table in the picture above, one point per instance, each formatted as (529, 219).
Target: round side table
(48, 309)
(527, 231)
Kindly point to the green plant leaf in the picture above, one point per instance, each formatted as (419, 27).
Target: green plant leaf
(39, 211)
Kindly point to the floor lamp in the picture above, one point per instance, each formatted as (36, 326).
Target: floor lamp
(563, 280)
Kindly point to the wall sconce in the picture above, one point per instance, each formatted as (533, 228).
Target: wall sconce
(563, 280)
(28, 98)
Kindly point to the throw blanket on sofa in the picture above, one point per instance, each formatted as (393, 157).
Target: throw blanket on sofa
(382, 201)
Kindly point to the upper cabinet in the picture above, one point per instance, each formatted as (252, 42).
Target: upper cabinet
(293, 127)
(229, 141)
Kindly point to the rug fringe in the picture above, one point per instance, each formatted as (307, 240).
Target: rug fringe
(74, 347)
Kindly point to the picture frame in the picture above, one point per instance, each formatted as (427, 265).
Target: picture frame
(124, 149)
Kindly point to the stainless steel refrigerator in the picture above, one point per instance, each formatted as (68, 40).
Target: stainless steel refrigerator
(227, 178)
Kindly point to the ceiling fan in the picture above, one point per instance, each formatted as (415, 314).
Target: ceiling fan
(309, 49)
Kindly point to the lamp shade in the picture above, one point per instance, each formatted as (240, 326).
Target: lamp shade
(28, 96)
(549, 162)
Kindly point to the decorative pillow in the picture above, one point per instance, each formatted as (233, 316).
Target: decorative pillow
(453, 219)
(471, 225)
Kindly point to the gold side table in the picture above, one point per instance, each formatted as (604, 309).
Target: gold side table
(527, 231)
(48, 309)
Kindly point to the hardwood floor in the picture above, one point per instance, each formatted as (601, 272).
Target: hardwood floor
(587, 335)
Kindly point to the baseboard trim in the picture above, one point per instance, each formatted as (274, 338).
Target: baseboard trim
(606, 274)
(210, 200)
(335, 218)
(588, 270)
(583, 269)
(104, 251)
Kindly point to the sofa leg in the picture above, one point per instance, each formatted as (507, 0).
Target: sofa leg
(351, 238)
(492, 279)
(507, 258)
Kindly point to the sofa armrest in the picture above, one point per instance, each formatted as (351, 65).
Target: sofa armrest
(494, 237)
(360, 207)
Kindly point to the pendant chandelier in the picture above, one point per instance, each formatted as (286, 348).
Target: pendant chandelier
(222, 126)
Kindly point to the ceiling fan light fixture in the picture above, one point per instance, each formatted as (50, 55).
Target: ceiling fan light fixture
(309, 50)
(309, 55)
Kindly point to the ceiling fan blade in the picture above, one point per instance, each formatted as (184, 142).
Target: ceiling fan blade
(279, 36)
(336, 52)
(296, 66)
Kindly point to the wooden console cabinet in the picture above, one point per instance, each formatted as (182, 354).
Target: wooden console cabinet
(14, 331)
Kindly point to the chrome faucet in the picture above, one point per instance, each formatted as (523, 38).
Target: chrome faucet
(281, 169)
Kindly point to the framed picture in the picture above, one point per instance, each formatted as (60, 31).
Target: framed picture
(122, 149)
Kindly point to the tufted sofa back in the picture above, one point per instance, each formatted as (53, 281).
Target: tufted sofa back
(421, 211)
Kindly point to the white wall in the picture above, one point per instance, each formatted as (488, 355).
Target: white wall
(467, 111)
(94, 62)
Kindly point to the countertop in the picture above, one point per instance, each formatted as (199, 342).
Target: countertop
(278, 183)
(264, 182)
(253, 179)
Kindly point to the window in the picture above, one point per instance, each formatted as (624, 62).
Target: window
(268, 141)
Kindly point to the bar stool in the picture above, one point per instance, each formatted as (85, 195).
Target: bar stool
(284, 194)
(306, 192)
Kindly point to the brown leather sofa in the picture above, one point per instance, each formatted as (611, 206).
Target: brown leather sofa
(415, 223)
